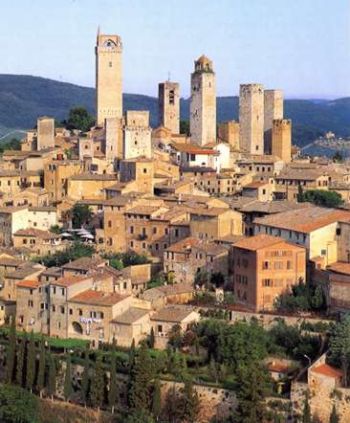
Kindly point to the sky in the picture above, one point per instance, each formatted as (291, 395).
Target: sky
(300, 46)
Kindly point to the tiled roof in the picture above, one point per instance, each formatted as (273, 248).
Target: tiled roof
(184, 245)
(167, 290)
(37, 233)
(256, 242)
(304, 220)
(98, 298)
(24, 271)
(94, 177)
(172, 313)
(194, 149)
(329, 371)
(28, 284)
(69, 280)
(256, 184)
(340, 267)
(133, 314)
(84, 263)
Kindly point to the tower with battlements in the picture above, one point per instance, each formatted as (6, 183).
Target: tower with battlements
(169, 105)
(109, 95)
(282, 139)
(203, 102)
(273, 109)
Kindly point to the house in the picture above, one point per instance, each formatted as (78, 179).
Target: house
(39, 242)
(133, 324)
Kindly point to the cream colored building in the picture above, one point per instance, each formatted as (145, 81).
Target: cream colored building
(137, 135)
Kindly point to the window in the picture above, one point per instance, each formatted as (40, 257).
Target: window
(266, 282)
(30, 303)
(289, 265)
(53, 308)
(131, 229)
(160, 328)
(63, 291)
(265, 265)
(80, 312)
(62, 309)
(144, 170)
(338, 231)
(109, 223)
(154, 230)
(70, 311)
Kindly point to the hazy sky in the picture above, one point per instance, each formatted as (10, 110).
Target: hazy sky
(301, 46)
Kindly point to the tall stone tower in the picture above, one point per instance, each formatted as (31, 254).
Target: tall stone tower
(203, 102)
(113, 139)
(273, 109)
(251, 118)
(169, 105)
(45, 132)
(229, 132)
(282, 139)
(109, 94)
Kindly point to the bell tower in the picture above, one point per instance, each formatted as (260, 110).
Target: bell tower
(109, 94)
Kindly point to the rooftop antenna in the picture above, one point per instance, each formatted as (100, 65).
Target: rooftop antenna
(169, 75)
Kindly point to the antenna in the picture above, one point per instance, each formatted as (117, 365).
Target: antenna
(169, 75)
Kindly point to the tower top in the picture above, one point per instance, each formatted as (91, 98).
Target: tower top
(108, 41)
(203, 64)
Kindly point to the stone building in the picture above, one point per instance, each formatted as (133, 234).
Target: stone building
(251, 118)
(229, 132)
(169, 105)
(141, 171)
(137, 135)
(203, 102)
(114, 139)
(265, 267)
(45, 132)
(281, 141)
(109, 95)
(273, 109)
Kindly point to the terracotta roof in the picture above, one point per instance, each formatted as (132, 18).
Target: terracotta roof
(28, 284)
(340, 267)
(144, 210)
(98, 298)
(194, 149)
(37, 233)
(24, 271)
(172, 313)
(69, 280)
(256, 242)
(167, 290)
(270, 207)
(301, 174)
(304, 220)
(133, 314)
(93, 177)
(13, 262)
(184, 245)
(256, 184)
(329, 371)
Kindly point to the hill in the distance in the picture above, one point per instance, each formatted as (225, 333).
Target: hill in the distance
(23, 98)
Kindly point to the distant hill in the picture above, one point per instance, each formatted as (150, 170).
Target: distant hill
(23, 98)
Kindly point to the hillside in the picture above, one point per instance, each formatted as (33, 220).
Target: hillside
(23, 98)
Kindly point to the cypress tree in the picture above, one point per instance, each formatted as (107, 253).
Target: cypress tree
(334, 417)
(85, 380)
(97, 392)
(306, 418)
(42, 367)
(151, 338)
(51, 385)
(21, 357)
(113, 385)
(30, 373)
(156, 400)
(11, 353)
(68, 389)
(132, 354)
(141, 380)
(190, 403)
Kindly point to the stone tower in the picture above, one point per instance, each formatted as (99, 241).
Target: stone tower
(169, 105)
(203, 102)
(273, 109)
(229, 132)
(109, 95)
(113, 139)
(282, 139)
(251, 118)
(45, 132)
(137, 135)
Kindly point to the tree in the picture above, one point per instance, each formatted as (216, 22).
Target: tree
(42, 366)
(300, 195)
(31, 363)
(338, 157)
(132, 355)
(175, 336)
(156, 400)
(340, 346)
(79, 118)
(141, 381)
(217, 279)
(323, 198)
(85, 380)
(11, 353)
(67, 388)
(113, 385)
(334, 417)
(184, 127)
(21, 356)
(306, 417)
(81, 215)
(139, 417)
(18, 405)
(151, 340)
(253, 386)
(190, 403)
(51, 383)
(97, 391)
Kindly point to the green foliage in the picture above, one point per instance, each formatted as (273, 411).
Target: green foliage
(156, 400)
(51, 383)
(85, 380)
(334, 417)
(338, 157)
(113, 385)
(31, 363)
(79, 118)
(68, 388)
(77, 250)
(185, 127)
(157, 281)
(20, 362)
(303, 297)
(217, 279)
(97, 390)
(254, 385)
(141, 381)
(13, 144)
(151, 339)
(306, 417)
(139, 417)
(121, 260)
(81, 215)
(55, 229)
(175, 336)
(321, 198)
(339, 344)
(17, 405)
(190, 403)
(11, 353)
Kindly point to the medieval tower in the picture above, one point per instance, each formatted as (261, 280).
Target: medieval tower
(273, 109)
(169, 105)
(251, 118)
(282, 139)
(203, 102)
(109, 95)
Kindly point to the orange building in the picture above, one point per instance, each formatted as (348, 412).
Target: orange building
(264, 267)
